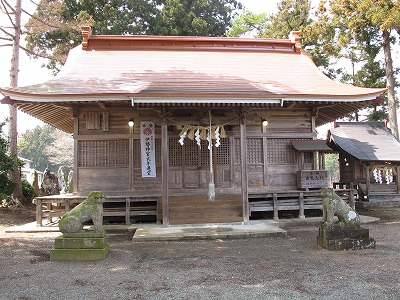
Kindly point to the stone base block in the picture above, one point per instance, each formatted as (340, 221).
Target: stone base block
(79, 248)
(337, 237)
(62, 242)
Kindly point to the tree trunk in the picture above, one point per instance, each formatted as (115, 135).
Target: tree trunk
(390, 84)
(15, 173)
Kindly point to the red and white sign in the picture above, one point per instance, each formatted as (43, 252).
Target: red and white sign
(148, 149)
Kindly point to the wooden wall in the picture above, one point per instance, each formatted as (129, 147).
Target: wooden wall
(107, 155)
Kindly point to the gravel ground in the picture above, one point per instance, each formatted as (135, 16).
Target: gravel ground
(292, 267)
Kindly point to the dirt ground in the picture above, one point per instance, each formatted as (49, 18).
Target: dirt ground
(277, 267)
(16, 216)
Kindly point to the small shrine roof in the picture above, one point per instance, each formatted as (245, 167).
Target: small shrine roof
(311, 145)
(366, 141)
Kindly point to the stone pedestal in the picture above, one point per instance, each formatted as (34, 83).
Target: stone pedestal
(344, 237)
(79, 248)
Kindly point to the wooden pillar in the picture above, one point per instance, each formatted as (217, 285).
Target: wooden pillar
(243, 155)
(301, 161)
(352, 202)
(130, 161)
(321, 160)
(398, 179)
(368, 180)
(315, 160)
(314, 134)
(301, 206)
(275, 206)
(39, 212)
(75, 113)
(164, 171)
(265, 156)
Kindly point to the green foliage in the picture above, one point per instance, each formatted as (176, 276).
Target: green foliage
(292, 15)
(332, 167)
(6, 165)
(47, 147)
(353, 31)
(53, 30)
(194, 17)
(378, 115)
(27, 190)
(55, 27)
(32, 145)
(248, 23)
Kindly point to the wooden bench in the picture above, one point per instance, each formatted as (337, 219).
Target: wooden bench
(127, 206)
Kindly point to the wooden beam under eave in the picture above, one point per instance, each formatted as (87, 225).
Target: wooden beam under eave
(102, 105)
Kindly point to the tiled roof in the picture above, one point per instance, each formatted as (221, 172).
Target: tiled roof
(366, 141)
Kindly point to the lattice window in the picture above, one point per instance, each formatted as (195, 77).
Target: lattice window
(103, 153)
(238, 154)
(191, 153)
(223, 153)
(254, 151)
(158, 152)
(137, 154)
(205, 153)
(280, 151)
(175, 152)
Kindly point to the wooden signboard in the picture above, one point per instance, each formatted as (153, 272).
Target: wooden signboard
(312, 179)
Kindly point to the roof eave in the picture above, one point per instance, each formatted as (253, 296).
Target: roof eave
(190, 98)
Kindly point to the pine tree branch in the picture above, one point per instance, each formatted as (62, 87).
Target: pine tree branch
(35, 54)
(40, 20)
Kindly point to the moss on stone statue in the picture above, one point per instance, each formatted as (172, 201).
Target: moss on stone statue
(71, 224)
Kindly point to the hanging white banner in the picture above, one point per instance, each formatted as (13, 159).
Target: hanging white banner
(148, 149)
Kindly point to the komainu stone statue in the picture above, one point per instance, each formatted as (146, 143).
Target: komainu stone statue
(347, 234)
(333, 205)
(71, 224)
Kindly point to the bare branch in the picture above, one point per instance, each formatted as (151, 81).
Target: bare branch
(6, 39)
(33, 2)
(6, 6)
(6, 45)
(7, 33)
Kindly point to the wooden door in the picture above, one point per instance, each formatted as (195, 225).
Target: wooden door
(190, 164)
